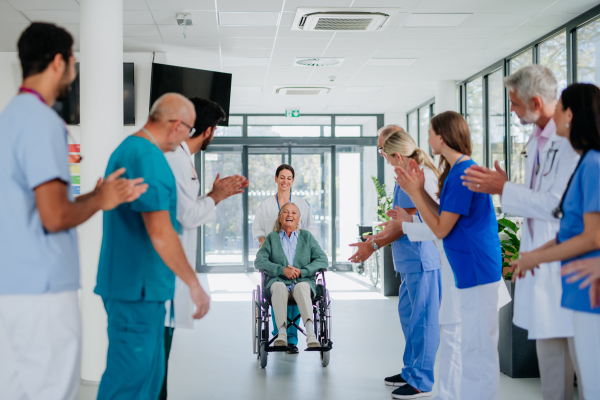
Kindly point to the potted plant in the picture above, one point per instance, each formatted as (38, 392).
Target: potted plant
(390, 280)
(518, 356)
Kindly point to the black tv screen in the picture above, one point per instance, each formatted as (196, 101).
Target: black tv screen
(69, 109)
(191, 82)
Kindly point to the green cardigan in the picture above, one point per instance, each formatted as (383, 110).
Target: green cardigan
(309, 259)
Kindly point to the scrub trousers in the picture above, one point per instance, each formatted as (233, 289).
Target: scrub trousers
(168, 342)
(135, 363)
(419, 309)
(587, 348)
(292, 332)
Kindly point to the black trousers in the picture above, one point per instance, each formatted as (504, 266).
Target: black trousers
(168, 340)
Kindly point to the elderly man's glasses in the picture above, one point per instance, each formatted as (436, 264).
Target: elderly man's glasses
(191, 128)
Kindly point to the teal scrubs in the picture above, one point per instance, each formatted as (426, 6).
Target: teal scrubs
(133, 281)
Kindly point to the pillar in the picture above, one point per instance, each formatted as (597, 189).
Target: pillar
(445, 96)
(101, 102)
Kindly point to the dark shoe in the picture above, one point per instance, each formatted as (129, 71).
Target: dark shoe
(395, 380)
(292, 349)
(408, 392)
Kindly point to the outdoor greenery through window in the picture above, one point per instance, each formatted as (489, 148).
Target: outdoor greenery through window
(588, 53)
(553, 54)
(424, 118)
(475, 118)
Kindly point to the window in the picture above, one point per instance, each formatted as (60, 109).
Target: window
(234, 128)
(424, 118)
(289, 127)
(413, 125)
(495, 120)
(519, 133)
(475, 119)
(523, 59)
(553, 54)
(588, 53)
(355, 126)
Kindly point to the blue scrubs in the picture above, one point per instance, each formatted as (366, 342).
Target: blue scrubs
(583, 196)
(292, 331)
(419, 303)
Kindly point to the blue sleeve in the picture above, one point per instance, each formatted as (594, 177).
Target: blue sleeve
(156, 172)
(457, 197)
(590, 185)
(46, 153)
(402, 199)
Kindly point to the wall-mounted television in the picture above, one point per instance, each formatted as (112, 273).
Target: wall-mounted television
(69, 109)
(191, 82)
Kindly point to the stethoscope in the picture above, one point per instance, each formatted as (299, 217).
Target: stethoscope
(537, 165)
(558, 211)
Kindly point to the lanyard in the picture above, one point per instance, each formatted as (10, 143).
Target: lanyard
(33, 92)
(151, 137)
(278, 201)
(461, 157)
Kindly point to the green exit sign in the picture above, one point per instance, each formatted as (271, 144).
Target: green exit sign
(292, 113)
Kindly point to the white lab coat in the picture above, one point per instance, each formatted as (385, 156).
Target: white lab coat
(267, 212)
(192, 212)
(538, 298)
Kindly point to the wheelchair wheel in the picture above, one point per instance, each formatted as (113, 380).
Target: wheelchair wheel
(263, 354)
(256, 320)
(325, 358)
(374, 269)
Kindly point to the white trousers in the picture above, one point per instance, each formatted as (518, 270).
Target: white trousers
(587, 349)
(450, 363)
(279, 300)
(40, 346)
(557, 363)
(479, 342)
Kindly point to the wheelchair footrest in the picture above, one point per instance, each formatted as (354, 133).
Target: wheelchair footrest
(277, 348)
(318, 348)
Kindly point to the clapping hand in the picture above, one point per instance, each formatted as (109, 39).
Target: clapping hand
(399, 214)
(114, 191)
(527, 262)
(411, 180)
(588, 268)
(365, 249)
(226, 187)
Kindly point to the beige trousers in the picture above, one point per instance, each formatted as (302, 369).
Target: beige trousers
(279, 301)
(557, 369)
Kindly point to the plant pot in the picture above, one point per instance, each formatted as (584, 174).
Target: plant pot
(518, 356)
(390, 281)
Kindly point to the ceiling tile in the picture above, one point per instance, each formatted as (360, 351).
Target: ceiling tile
(245, 5)
(293, 53)
(12, 17)
(182, 5)
(208, 63)
(4, 5)
(447, 6)
(286, 31)
(400, 53)
(190, 51)
(44, 4)
(401, 43)
(54, 16)
(497, 19)
(248, 18)
(133, 5)
(247, 31)
(294, 43)
(429, 62)
(138, 18)
(192, 42)
(479, 62)
(571, 6)
(500, 6)
(406, 6)
(435, 20)
(422, 33)
(199, 18)
(509, 43)
(530, 32)
(464, 43)
(282, 61)
(382, 34)
(549, 20)
(143, 44)
(488, 32)
(140, 31)
(354, 43)
(10, 33)
(292, 5)
(191, 31)
(245, 52)
(259, 43)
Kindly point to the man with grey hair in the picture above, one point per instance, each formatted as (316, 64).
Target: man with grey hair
(141, 254)
(550, 163)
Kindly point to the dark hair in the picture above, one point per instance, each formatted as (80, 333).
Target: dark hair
(208, 114)
(583, 99)
(453, 128)
(39, 44)
(285, 166)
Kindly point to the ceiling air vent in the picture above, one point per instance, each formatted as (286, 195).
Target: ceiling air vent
(342, 19)
(301, 91)
(318, 62)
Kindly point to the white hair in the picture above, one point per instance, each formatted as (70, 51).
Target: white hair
(277, 227)
(387, 130)
(170, 106)
(533, 81)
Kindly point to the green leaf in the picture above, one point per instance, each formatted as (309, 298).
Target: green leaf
(507, 241)
(505, 264)
(508, 224)
(513, 237)
(510, 249)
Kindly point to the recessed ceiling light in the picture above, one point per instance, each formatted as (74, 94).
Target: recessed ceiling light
(431, 20)
(245, 62)
(227, 18)
(362, 89)
(390, 62)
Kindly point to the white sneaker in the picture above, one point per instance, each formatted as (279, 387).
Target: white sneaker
(311, 340)
(281, 338)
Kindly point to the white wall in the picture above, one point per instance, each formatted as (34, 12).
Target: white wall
(10, 77)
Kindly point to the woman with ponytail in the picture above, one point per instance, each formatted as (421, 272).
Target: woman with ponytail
(466, 223)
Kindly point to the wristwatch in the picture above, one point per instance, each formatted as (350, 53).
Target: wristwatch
(374, 245)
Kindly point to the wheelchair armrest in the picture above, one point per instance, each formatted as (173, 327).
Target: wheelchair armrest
(323, 269)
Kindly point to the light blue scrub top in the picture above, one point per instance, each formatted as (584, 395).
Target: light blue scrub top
(472, 246)
(583, 196)
(130, 269)
(411, 257)
(34, 151)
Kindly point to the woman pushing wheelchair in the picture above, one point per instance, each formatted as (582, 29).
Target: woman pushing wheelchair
(291, 257)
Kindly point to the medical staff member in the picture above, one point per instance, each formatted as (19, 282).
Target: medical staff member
(194, 211)
(263, 224)
(40, 322)
(397, 149)
(466, 222)
(578, 238)
(141, 254)
(420, 292)
(549, 165)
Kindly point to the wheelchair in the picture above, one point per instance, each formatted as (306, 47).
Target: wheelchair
(261, 305)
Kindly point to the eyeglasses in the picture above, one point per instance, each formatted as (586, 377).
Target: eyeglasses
(192, 129)
(380, 151)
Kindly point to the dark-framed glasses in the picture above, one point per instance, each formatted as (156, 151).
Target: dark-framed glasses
(191, 128)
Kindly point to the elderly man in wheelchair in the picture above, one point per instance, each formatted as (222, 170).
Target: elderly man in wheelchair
(290, 261)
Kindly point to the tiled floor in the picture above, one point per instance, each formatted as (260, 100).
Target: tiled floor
(215, 360)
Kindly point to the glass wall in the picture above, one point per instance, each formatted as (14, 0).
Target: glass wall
(588, 53)
(424, 118)
(496, 122)
(355, 126)
(288, 127)
(474, 118)
(234, 128)
(413, 125)
(553, 54)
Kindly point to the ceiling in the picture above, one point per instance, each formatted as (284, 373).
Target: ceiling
(494, 29)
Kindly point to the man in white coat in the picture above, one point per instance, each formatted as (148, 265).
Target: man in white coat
(194, 211)
(550, 163)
